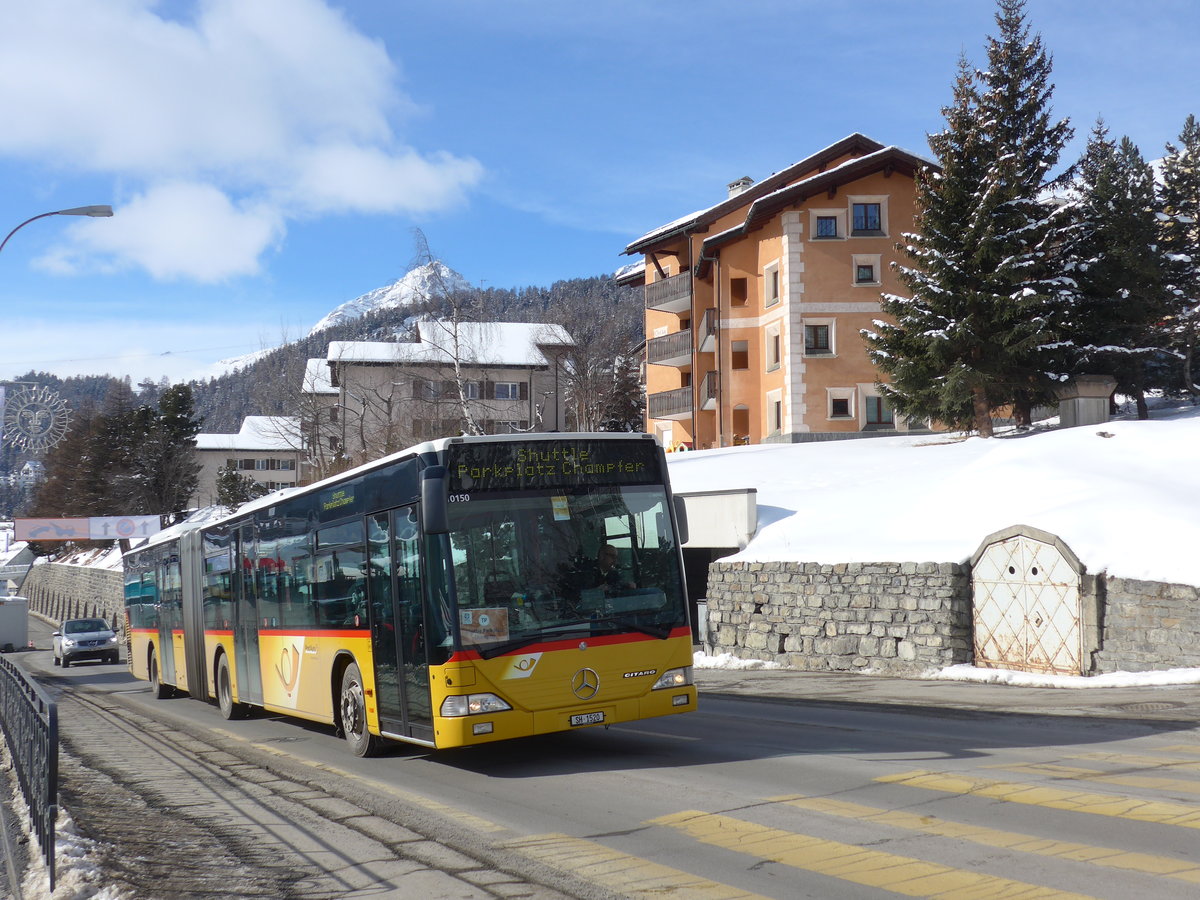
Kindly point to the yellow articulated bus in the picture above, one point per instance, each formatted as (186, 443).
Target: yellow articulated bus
(465, 590)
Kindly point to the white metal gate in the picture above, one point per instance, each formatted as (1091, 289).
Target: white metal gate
(1026, 607)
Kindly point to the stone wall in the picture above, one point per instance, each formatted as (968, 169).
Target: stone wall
(1148, 626)
(895, 618)
(59, 592)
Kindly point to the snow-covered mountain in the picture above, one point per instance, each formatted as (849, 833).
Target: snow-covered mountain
(429, 280)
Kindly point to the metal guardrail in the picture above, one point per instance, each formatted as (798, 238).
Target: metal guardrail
(30, 722)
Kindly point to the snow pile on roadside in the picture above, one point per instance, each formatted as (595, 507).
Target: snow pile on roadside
(78, 875)
(965, 672)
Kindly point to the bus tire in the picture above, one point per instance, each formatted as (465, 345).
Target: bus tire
(157, 688)
(353, 708)
(229, 709)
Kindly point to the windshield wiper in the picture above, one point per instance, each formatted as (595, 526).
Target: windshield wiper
(655, 631)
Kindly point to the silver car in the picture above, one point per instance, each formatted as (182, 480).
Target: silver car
(85, 639)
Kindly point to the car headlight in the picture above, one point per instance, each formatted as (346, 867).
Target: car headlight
(473, 705)
(67, 642)
(111, 640)
(673, 678)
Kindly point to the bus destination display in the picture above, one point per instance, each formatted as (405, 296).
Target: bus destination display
(515, 466)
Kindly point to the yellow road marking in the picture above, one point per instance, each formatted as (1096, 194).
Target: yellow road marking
(628, 875)
(873, 868)
(1162, 812)
(1076, 773)
(1009, 840)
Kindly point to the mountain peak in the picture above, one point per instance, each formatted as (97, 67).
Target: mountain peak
(429, 280)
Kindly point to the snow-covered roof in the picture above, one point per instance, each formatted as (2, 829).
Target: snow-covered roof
(859, 146)
(317, 378)
(279, 433)
(477, 343)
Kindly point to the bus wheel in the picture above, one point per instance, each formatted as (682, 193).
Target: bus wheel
(354, 714)
(161, 691)
(229, 709)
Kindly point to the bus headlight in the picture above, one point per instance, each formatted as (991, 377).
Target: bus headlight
(473, 705)
(673, 678)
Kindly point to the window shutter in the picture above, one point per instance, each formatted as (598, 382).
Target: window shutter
(524, 390)
(487, 390)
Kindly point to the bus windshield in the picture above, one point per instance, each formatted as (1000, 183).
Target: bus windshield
(552, 564)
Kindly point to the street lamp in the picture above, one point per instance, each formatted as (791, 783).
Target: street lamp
(102, 211)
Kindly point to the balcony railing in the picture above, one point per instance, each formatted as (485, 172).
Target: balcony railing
(708, 331)
(676, 404)
(672, 294)
(710, 388)
(670, 349)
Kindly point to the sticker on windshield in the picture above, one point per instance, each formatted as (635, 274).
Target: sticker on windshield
(562, 509)
(480, 625)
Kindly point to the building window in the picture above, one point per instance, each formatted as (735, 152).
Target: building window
(471, 389)
(741, 354)
(866, 268)
(774, 347)
(771, 284)
(816, 340)
(827, 227)
(878, 411)
(774, 412)
(841, 403)
(867, 218)
(507, 390)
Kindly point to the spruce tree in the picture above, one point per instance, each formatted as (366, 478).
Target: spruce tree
(973, 334)
(1112, 324)
(1179, 237)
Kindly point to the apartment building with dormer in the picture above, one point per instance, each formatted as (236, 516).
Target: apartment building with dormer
(754, 306)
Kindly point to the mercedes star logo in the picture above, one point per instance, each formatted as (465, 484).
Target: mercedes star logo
(585, 684)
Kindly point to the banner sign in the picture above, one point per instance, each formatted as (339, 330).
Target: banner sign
(95, 528)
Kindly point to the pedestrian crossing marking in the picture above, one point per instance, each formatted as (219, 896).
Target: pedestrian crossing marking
(872, 868)
(1149, 761)
(1145, 863)
(1076, 773)
(1159, 811)
(1183, 748)
(631, 876)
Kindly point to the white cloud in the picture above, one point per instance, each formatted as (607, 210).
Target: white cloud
(174, 231)
(271, 103)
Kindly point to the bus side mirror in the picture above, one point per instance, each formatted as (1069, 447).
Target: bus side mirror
(435, 517)
(681, 525)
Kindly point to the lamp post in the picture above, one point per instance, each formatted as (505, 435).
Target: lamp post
(94, 211)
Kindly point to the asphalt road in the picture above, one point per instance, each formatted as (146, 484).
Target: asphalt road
(782, 785)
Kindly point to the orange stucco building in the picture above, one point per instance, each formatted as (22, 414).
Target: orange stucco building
(754, 306)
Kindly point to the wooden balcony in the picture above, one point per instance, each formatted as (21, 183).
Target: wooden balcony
(672, 294)
(710, 389)
(708, 331)
(676, 404)
(670, 349)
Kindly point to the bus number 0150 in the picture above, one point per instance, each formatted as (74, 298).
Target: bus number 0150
(459, 498)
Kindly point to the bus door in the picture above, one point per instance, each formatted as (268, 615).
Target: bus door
(245, 618)
(397, 624)
(170, 616)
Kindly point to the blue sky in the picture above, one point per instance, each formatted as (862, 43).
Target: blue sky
(269, 159)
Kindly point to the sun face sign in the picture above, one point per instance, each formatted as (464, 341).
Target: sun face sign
(35, 419)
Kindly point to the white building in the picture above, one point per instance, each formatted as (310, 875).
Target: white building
(268, 449)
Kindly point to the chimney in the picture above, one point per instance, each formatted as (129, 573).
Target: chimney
(740, 186)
